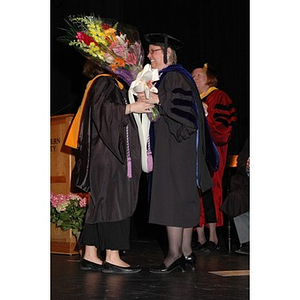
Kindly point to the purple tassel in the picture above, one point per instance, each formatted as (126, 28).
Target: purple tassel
(149, 161)
(129, 170)
(149, 156)
(129, 167)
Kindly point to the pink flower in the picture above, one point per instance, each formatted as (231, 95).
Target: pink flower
(82, 202)
(57, 200)
(63, 206)
(131, 59)
(119, 48)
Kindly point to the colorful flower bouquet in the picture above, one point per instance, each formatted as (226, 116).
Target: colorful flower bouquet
(68, 211)
(117, 48)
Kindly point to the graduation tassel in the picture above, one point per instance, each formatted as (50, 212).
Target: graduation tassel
(129, 164)
(150, 161)
(129, 167)
(149, 156)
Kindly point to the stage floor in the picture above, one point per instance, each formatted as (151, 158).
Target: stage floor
(218, 275)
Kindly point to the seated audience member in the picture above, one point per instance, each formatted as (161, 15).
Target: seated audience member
(236, 204)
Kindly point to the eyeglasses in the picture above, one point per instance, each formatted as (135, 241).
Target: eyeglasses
(152, 51)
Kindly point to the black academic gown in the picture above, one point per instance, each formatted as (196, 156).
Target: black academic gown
(102, 165)
(174, 192)
(237, 201)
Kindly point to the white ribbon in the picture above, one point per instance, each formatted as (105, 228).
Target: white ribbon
(143, 83)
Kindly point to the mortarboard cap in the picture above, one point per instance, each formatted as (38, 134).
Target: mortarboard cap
(164, 40)
(210, 69)
(207, 67)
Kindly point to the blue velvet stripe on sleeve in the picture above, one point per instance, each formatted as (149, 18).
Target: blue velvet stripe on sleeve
(184, 115)
(184, 108)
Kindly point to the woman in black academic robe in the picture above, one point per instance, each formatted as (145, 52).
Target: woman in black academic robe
(109, 168)
(106, 136)
(179, 167)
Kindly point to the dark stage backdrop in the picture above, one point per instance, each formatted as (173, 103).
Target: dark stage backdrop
(216, 31)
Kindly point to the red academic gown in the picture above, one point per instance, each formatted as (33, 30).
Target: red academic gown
(221, 116)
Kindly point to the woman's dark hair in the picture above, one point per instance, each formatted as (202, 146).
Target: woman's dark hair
(92, 69)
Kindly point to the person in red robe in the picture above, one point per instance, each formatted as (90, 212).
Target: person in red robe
(221, 115)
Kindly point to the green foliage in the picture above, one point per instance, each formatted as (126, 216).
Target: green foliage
(68, 212)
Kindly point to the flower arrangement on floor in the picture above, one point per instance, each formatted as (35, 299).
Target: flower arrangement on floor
(117, 47)
(68, 211)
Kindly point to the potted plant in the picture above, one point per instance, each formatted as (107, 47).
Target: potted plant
(68, 211)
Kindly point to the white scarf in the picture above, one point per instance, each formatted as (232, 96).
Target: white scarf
(141, 84)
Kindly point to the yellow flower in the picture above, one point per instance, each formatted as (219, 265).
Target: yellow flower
(97, 33)
(93, 49)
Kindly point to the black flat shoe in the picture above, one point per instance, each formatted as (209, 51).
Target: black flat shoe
(90, 266)
(114, 269)
(177, 264)
(190, 260)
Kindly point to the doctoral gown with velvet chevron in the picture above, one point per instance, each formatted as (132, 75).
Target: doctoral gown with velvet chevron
(174, 191)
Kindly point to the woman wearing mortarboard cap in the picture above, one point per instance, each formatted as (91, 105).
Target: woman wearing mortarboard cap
(179, 156)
